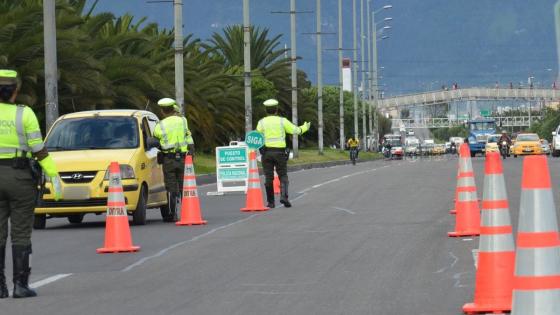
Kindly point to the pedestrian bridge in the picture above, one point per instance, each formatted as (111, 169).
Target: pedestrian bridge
(469, 94)
(517, 121)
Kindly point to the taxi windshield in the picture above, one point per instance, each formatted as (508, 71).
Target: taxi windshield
(94, 133)
(528, 137)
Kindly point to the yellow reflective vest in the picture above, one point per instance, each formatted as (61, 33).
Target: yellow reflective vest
(353, 143)
(174, 134)
(274, 129)
(19, 131)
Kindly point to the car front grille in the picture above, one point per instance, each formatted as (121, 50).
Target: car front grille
(78, 177)
(481, 138)
(94, 202)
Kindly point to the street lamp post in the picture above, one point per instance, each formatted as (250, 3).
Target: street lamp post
(363, 83)
(295, 138)
(247, 66)
(340, 81)
(51, 77)
(179, 69)
(375, 74)
(319, 79)
(355, 71)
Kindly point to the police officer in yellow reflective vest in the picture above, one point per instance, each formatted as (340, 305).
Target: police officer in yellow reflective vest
(275, 155)
(20, 142)
(176, 142)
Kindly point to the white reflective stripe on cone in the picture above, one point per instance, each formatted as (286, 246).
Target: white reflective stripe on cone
(541, 201)
(543, 302)
(496, 243)
(495, 217)
(494, 187)
(538, 262)
(467, 196)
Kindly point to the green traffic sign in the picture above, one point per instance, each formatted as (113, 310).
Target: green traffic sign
(254, 140)
(232, 155)
(485, 113)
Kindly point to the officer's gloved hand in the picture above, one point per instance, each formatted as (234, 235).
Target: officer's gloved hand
(305, 127)
(57, 187)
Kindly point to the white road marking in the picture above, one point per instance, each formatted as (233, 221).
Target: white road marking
(165, 250)
(453, 263)
(334, 180)
(345, 210)
(48, 280)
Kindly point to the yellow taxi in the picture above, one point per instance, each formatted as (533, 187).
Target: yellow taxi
(83, 144)
(492, 144)
(527, 143)
(439, 149)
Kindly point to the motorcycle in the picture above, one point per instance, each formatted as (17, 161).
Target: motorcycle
(386, 152)
(504, 149)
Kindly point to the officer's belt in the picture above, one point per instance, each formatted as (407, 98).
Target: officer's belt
(275, 149)
(6, 162)
(171, 155)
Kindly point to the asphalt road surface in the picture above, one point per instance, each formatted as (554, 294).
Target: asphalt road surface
(364, 239)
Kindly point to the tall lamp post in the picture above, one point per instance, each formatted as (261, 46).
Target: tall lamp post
(374, 68)
(179, 68)
(247, 66)
(51, 77)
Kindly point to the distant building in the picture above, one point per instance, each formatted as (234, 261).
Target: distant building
(347, 74)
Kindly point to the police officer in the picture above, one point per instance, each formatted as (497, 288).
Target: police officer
(274, 129)
(20, 140)
(176, 142)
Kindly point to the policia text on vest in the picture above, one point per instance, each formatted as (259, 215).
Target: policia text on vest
(274, 128)
(20, 142)
(176, 142)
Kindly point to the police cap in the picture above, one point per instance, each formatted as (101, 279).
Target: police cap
(8, 77)
(271, 102)
(166, 102)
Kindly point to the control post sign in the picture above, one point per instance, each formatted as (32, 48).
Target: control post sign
(254, 140)
(232, 169)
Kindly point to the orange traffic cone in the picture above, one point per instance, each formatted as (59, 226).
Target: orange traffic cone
(117, 231)
(496, 256)
(536, 283)
(276, 184)
(467, 220)
(254, 200)
(190, 203)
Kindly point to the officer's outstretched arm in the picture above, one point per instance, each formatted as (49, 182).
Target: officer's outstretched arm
(293, 129)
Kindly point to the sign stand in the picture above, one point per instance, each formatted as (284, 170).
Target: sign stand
(232, 164)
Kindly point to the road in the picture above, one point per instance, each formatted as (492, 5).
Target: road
(364, 239)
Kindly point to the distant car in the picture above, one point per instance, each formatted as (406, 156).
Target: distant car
(426, 149)
(397, 151)
(545, 146)
(438, 149)
(527, 144)
(492, 144)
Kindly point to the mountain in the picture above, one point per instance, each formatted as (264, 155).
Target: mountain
(432, 43)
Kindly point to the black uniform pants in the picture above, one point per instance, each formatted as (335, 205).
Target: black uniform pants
(173, 171)
(18, 196)
(275, 159)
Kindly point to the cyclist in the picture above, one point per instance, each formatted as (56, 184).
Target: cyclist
(353, 144)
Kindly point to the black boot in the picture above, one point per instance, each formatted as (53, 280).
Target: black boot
(270, 196)
(3, 288)
(172, 204)
(20, 257)
(284, 193)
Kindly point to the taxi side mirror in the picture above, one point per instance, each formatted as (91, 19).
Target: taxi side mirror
(152, 143)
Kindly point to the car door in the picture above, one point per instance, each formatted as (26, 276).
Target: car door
(156, 184)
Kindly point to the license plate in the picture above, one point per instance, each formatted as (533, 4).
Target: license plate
(527, 150)
(76, 193)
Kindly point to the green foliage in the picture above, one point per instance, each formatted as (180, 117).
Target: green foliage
(443, 134)
(107, 61)
(549, 123)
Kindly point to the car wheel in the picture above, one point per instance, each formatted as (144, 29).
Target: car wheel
(76, 218)
(139, 215)
(515, 156)
(40, 221)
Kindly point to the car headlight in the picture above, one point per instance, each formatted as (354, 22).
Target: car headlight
(127, 172)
